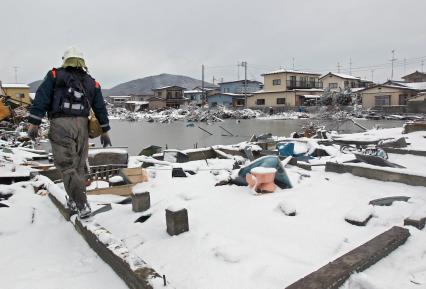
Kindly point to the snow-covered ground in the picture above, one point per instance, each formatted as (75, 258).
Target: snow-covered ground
(237, 239)
(40, 250)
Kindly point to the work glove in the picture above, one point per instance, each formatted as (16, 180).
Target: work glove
(33, 131)
(105, 140)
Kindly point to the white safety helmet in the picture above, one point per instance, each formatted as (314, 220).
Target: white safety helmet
(72, 52)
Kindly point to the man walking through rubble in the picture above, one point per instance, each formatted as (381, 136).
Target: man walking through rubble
(68, 94)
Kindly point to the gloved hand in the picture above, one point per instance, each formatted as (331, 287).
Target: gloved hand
(33, 131)
(105, 140)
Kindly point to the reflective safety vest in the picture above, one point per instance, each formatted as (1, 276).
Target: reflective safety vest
(73, 93)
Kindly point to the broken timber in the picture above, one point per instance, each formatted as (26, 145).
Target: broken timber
(376, 174)
(133, 270)
(335, 273)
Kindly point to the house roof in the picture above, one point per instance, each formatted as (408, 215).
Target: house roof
(341, 75)
(14, 85)
(192, 91)
(169, 86)
(119, 96)
(242, 81)
(388, 86)
(414, 73)
(137, 102)
(279, 71)
(412, 85)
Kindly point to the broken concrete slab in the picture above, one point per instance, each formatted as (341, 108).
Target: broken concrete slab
(130, 268)
(414, 126)
(141, 202)
(388, 201)
(335, 273)
(103, 209)
(376, 161)
(359, 216)
(376, 174)
(399, 143)
(14, 178)
(177, 221)
(418, 223)
(403, 151)
(178, 173)
(108, 156)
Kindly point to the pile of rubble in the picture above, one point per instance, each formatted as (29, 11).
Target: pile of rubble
(195, 114)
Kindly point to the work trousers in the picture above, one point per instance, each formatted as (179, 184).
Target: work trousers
(69, 137)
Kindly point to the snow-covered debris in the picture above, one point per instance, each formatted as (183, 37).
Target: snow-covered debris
(360, 215)
(288, 208)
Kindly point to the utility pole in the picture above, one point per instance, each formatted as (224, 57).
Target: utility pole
(214, 79)
(338, 67)
(238, 71)
(405, 64)
(244, 64)
(350, 66)
(293, 63)
(423, 63)
(203, 98)
(16, 73)
(392, 61)
(372, 75)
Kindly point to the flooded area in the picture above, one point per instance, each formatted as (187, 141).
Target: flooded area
(137, 135)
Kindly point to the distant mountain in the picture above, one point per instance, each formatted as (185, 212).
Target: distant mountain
(34, 85)
(144, 85)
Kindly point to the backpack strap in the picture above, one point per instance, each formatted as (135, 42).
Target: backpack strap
(54, 72)
(97, 84)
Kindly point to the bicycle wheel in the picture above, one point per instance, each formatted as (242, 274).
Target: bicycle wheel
(348, 149)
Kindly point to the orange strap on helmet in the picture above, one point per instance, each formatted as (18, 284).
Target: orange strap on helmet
(54, 72)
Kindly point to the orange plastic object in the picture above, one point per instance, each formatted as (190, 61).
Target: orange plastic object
(262, 179)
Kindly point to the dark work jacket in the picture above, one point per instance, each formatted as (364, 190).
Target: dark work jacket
(53, 86)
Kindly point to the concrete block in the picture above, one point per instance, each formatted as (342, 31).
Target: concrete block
(417, 222)
(388, 201)
(177, 221)
(335, 273)
(141, 202)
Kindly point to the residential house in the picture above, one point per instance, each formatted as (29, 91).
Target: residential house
(387, 94)
(17, 93)
(156, 102)
(173, 95)
(417, 104)
(286, 88)
(416, 76)
(232, 93)
(141, 97)
(118, 100)
(340, 81)
(196, 97)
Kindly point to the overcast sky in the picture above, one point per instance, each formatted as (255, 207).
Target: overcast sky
(126, 39)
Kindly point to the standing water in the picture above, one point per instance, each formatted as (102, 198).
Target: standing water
(137, 135)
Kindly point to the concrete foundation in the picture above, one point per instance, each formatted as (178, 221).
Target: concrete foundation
(141, 202)
(376, 174)
(335, 273)
(177, 221)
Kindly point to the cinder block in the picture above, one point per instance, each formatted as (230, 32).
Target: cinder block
(177, 221)
(141, 202)
(419, 223)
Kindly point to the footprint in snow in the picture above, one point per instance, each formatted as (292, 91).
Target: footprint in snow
(229, 254)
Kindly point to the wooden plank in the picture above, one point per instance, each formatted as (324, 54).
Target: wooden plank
(405, 151)
(134, 175)
(125, 190)
(335, 273)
